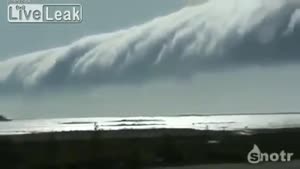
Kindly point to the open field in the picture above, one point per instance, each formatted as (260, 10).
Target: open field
(141, 148)
(291, 165)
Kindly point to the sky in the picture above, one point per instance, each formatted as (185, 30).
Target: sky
(153, 58)
(99, 17)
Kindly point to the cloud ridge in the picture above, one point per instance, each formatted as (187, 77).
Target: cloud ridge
(213, 36)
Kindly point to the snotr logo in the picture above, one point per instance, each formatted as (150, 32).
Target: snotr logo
(255, 156)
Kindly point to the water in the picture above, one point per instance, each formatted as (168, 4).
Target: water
(213, 122)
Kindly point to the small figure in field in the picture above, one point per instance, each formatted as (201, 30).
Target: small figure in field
(96, 126)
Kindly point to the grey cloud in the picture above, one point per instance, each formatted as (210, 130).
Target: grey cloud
(213, 36)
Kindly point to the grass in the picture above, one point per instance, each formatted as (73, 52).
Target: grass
(136, 149)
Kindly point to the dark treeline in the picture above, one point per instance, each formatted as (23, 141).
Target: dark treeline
(2, 118)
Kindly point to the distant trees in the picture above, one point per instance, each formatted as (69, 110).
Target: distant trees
(2, 118)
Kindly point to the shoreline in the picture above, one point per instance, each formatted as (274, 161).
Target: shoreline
(139, 133)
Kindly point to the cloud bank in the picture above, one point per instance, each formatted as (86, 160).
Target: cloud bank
(212, 36)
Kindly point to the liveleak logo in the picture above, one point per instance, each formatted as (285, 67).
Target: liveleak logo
(48, 13)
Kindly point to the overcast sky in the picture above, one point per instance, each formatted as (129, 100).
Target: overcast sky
(256, 88)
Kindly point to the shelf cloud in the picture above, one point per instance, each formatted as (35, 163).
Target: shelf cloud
(213, 36)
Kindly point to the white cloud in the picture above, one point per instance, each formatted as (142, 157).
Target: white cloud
(207, 37)
(294, 21)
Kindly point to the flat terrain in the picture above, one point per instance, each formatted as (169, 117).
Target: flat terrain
(144, 148)
(290, 165)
